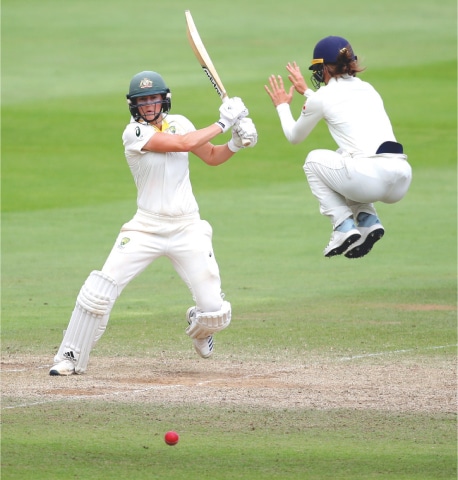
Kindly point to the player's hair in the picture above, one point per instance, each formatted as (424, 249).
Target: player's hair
(346, 64)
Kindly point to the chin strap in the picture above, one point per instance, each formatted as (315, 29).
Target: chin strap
(150, 121)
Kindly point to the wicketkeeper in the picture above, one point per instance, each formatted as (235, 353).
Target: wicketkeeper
(369, 165)
(167, 222)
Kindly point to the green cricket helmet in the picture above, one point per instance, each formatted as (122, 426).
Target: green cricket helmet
(144, 84)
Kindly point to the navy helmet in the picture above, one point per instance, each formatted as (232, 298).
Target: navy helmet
(328, 49)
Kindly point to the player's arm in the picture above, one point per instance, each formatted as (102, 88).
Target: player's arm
(213, 155)
(298, 130)
(197, 142)
(164, 142)
(295, 131)
(230, 112)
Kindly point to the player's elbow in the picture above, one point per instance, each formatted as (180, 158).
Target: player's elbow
(294, 136)
(292, 139)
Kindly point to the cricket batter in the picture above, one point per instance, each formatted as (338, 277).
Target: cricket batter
(369, 165)
(167, 222)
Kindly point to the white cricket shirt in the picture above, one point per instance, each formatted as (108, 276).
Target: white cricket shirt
(162, 179)
(353, 111)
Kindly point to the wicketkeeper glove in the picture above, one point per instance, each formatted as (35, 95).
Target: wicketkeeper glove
(244, 135)
(230, 112)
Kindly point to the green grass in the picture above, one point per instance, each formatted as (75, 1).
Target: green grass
(225, 443)
(66, 190)
(295, 283)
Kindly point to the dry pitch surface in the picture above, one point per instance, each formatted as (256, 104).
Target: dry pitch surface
(394, 381)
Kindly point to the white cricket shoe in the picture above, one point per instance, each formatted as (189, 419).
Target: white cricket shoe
(203, 346)
(340, 241)
(65, 367)
(371, 231)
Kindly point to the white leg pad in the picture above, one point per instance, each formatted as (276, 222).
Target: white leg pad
(208, 323)
(101, 329)
(92, 309)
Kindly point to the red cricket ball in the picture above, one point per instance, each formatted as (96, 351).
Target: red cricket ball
(171, 438)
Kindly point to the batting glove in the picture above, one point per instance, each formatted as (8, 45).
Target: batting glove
(244, 135)
(230, 111)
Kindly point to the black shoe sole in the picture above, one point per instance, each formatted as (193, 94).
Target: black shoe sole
(363, 249)
(342, 248)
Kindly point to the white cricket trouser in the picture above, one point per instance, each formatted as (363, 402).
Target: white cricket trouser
(186, 241)
(346, 185)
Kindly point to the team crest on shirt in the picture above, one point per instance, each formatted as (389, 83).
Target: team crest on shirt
(137, 131)
(124, 241)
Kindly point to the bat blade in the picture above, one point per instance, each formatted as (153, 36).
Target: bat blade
(203, 57)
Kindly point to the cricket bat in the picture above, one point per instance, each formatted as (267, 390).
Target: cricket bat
(204, 59)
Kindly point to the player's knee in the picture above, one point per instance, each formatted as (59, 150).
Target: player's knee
(98, 294)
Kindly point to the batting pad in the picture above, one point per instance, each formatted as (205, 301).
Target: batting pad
(92, 308)
(208, 323)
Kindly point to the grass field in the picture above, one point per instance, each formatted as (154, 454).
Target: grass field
(331, 368)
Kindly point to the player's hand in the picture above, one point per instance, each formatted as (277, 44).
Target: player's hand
(277, 91)
(230, 112)
(244, 135)
(296, 78)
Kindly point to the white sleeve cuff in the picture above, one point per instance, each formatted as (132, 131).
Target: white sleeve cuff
(283, 107)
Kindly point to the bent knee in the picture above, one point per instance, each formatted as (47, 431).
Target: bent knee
(315, 155)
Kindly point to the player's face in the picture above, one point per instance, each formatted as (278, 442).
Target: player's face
(150, 106)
